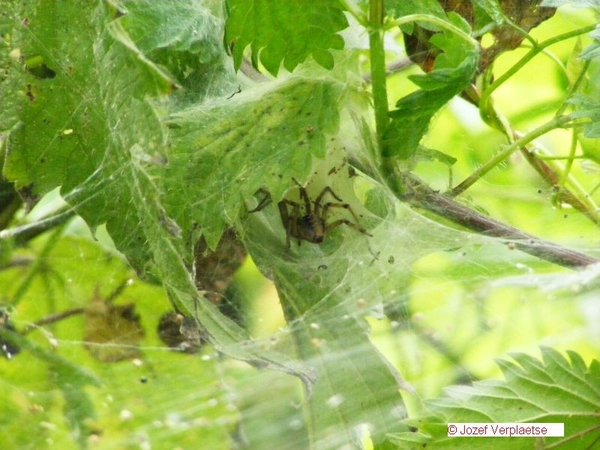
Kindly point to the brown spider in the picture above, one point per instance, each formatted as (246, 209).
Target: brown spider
(310, 224)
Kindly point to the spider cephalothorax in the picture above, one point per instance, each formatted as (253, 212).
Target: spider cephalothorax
(307, 221)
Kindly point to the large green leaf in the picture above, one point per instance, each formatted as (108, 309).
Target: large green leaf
(93, 130)
(554, 390)
(287, 32)
(453, 69)
(186, 38)
(222, 154)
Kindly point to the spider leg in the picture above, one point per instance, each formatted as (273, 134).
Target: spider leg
(289, 222)
(264, 202)
(325, 191)
(347, 222)
(356, 224)
(304, 197)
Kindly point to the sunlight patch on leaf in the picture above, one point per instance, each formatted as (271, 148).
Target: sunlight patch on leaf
(185, 25)
(573, 3)
(586, 279)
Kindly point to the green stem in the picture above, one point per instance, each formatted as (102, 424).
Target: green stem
(418, 194)
(37, 266)
(378, 72)
(567, 170)
(557, 122)
(581, 78)
(26, 233)
(485, 96)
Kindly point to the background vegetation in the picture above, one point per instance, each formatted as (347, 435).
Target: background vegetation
(137, 136)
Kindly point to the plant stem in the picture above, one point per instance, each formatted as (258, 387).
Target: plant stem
(567, 170)
(25, 233)
(420, 195)
(378, 70)
(53, 318)
(557, 122)
(37, 266)
(485, 96)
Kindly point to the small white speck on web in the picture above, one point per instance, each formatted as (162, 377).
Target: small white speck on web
(335, 401)
(296, 424)
(362, 431)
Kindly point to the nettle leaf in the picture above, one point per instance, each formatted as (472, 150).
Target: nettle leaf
(484, 12)
(92, 130)
(487, 12)
(71, 134)
(186, 38)
(452, 72)
(222, 154)
(185, 25)
(287, 32)
(593, 50)
(587, 107)
(553, 390)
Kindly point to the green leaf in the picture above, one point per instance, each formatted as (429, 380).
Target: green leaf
(593, 50)
(554, 390)
(410, 121)
(182, 26)
(452, 72)
(101, 142)
(70, 378)
(287, 32)
(282, 130)
(587, 107)
(64, 143)
(185, 38)
(356, 384)
(486, 12)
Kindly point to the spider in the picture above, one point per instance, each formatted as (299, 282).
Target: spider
(310, 224)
